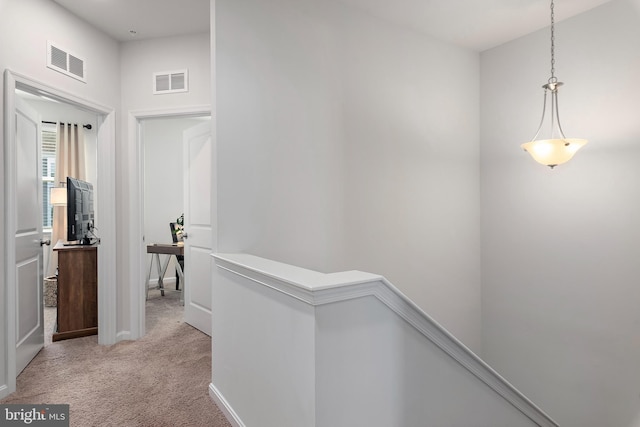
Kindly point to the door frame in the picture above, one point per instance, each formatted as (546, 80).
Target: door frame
(106, 202)
(137, 270)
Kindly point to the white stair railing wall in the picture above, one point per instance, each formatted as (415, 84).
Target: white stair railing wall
(294, 347)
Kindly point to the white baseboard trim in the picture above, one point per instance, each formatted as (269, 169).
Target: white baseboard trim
(224, 406)
(123, 336)
(153, 283)
(4, 391)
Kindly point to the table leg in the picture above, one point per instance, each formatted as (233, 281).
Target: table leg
(184, 283)
(149, 277)
(159, 270)
(162, 272)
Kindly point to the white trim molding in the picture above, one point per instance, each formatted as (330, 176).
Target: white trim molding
(224, 406)
(318, 289)
(8, 321)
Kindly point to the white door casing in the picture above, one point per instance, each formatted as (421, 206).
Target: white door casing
(197, 225)
(136, 240)
(28, 235)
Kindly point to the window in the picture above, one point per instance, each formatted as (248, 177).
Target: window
(49, 133)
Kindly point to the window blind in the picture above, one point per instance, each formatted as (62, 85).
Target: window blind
(48, 150)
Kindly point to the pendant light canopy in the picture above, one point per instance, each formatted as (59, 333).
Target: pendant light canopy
(558, 149)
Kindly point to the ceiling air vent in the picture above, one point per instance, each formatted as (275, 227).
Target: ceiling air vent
(61, 60)
(170, 82)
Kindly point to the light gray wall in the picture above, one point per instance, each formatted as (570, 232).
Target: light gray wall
(560, 247)
(25, 27)
(346, 142)
(141, 58)
(373, 369)
(411, 202)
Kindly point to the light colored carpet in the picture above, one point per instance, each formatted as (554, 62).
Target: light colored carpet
(159, 380)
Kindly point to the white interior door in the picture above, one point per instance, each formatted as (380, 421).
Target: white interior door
(28, 268)
(197, 226)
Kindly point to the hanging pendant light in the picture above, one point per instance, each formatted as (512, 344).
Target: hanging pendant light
(558, 149)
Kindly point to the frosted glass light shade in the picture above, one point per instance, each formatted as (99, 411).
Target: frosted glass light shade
(553, 152)
(58, 196)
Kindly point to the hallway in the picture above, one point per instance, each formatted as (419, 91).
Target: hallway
(160, 380)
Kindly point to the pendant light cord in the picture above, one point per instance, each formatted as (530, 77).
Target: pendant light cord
(557, 149)
(553, 78)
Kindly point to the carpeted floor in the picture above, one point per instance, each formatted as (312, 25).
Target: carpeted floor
(159, 380)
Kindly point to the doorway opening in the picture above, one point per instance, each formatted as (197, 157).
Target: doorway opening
(162, 149)
(52, 112)
(141, 123)
(105, 178)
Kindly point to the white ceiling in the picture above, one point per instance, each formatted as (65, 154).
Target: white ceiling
(150, 18)
(475, 24)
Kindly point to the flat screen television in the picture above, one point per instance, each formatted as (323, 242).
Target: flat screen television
(79, 211)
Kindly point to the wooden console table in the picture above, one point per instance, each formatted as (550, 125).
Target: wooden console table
(77, 291)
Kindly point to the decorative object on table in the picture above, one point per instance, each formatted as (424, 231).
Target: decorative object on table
(557, 149)
(177, 228)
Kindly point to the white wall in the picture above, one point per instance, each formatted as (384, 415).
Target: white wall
(264, 353)
(28, 24)
(560, 247)
(346, 142)
(410, 122)
(376, 370)
(139, 60)
(25, 27)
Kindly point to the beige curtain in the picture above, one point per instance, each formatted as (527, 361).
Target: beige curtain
(69, 162)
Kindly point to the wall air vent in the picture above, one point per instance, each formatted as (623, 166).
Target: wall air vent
(170, 82)
(63, 61)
